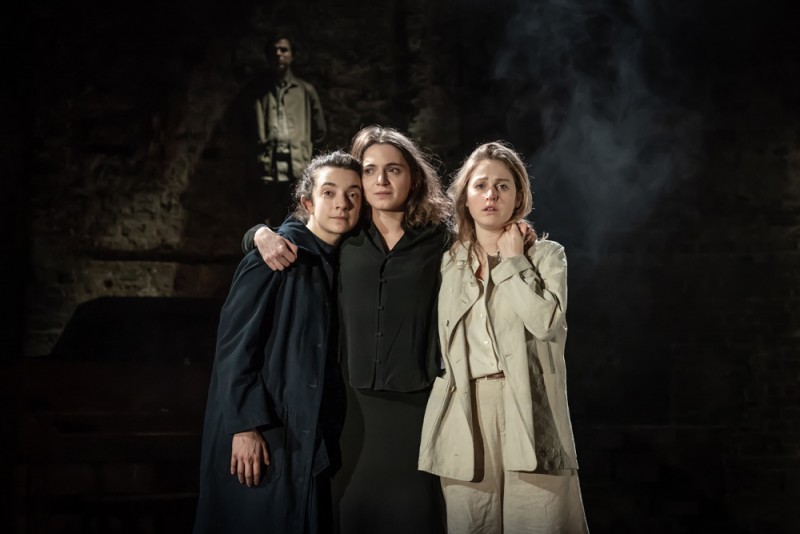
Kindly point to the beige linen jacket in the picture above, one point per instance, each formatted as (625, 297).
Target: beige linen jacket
(527, 314)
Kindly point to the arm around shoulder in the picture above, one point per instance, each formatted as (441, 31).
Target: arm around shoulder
(276, 251)
(248, 240)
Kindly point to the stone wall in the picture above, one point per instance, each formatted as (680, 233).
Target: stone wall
(142, 154)
(665, 154)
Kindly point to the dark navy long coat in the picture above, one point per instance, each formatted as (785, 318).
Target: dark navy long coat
(275, 349)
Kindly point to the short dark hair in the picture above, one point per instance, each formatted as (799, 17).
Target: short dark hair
(304, 187)
(277, 36)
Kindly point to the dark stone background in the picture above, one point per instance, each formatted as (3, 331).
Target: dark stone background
(664, 146)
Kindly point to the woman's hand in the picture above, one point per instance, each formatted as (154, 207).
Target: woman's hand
(248, 452)
(276, 251)
(528, 233)
(511, 242)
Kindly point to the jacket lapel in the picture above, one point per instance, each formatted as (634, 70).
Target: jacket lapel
(463, 296)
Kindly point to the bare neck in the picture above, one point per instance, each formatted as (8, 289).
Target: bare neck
(487, 239)
(389, 225)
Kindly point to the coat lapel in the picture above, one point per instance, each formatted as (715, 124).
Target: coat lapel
(463, 297)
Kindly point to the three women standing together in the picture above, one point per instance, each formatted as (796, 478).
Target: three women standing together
(466, 380)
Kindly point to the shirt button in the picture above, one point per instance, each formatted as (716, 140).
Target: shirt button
(380, 308)
(482, 316)
(486, 342)
(382, 280)
(378, 334)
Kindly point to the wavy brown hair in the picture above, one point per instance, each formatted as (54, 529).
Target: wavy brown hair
(427, 203)
(464, 224)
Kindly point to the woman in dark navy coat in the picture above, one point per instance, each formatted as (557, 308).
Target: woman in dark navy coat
(276, 402)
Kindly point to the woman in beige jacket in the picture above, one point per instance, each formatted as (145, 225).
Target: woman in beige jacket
(497, 428)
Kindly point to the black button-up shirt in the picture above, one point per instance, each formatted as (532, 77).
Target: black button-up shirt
(388, 308)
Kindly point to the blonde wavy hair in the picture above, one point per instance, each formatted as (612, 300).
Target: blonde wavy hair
(464, 224)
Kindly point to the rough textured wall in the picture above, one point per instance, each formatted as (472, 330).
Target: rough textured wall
(665, 154)
(132, 104)
(143, 151)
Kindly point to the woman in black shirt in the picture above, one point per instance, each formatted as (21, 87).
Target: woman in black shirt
(389, 281)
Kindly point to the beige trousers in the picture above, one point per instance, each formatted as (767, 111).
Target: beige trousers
(500, 501)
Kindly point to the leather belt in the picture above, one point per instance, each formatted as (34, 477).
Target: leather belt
(494, 376)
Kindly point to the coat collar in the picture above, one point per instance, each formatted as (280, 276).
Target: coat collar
(309, 244)
(289, 78)
(463, 288)
(275, 84)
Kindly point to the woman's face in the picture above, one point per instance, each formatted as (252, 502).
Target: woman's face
(335, 204)
(491, 194)
(386, 178)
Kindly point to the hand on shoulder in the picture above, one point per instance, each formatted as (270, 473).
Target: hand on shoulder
(276, 251)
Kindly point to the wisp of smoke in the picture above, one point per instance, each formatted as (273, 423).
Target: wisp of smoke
(610, 140)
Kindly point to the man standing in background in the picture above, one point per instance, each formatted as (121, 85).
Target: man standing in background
(290, 120)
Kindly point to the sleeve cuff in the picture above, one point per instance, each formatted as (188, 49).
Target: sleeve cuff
(510, 267)
(245, 424)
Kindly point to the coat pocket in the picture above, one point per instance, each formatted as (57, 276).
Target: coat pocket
(437, 403)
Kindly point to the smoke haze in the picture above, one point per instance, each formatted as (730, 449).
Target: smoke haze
(597, 110)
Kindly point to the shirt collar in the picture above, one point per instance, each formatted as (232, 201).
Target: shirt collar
(288, 78)
(410, 234)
